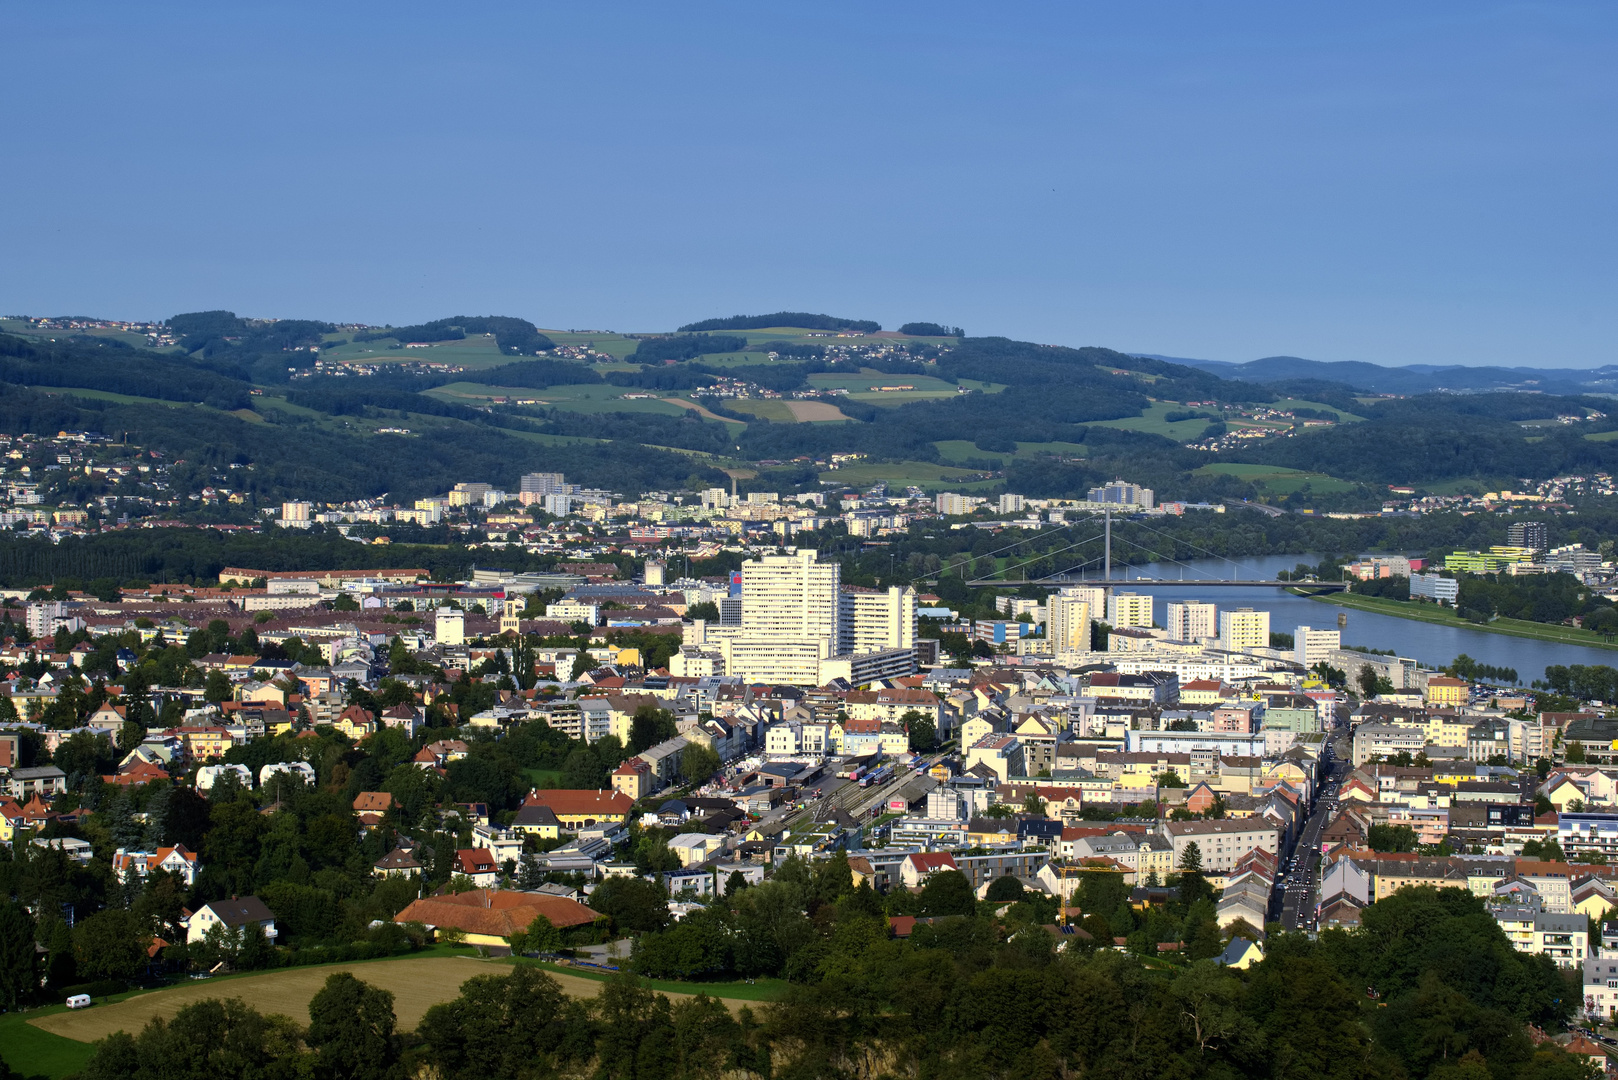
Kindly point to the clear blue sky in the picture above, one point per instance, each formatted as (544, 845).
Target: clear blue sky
(1392, 182)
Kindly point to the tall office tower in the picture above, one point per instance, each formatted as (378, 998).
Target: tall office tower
(1129, 609)
(1068, 623)
(1190, 620)
(1243, 629)
(874, 619)
(792, 598)
(1529, 534)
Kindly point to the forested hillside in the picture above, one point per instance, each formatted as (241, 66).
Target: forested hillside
(332, 413)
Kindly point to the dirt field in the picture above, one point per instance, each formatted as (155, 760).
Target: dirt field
(417, 984)
(810, 411)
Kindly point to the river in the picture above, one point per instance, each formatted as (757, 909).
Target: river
(1433, 645)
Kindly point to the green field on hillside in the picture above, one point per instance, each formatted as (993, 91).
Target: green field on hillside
(474, 351)
(1276, 478)
(965, 450)
(1289, 404)
(772, 410)
(584, 397)
(922, 474)
(868, 381)
(1153, 422)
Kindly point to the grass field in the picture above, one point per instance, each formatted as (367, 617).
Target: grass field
(30, 1051)
(1432, 613)
(1602, 436)
(108, 395)
(922, 474)
(1300, 403)
(23, 329)
(774, 411)
(964, 450)
(474, 351)
(417, 982)
(1153, 422)
(57, 1041)
(1276, 478)
(816, 412)
(585, 398)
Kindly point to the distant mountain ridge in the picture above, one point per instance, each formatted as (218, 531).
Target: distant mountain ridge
(1410, 379)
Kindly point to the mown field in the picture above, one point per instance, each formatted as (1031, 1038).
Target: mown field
(966, 450)
(1276, 478)
(922, 474)
(56, 1041)
(1154, 422)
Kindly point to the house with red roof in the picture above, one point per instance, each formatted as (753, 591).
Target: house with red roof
(127, 864)
(921, 865)
(137, 772)
(479, 865)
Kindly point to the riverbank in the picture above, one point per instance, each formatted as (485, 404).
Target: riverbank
(1416, 611)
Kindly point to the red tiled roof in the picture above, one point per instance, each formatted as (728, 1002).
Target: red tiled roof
(566, 801)
(496, 912)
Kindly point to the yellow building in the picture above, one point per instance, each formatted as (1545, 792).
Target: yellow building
(204, 743)
(1445, 691)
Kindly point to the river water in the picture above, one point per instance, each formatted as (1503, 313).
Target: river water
(1433, 645)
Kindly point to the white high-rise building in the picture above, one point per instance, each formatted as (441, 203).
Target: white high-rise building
(1311, 646)
(449, 626)
(1012, 504)
(792, 598)
(1244, 628)
(874, 619)
(1129, 609)
(1190, 620)
(543, 483)
(1068, 623)
(1123, 493)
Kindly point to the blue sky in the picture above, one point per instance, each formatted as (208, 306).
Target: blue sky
(1398, 183)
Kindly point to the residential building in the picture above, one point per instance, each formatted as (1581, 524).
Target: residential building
(1563, 938)
(1311, 646)
(235, 914)
(1532, 535)
(1242, 629)
(1222, 844)
(576, 808)
(1123, 493)
(1129, 609)
(1190, 620)
(1444, 691)
(1068, 623)
(1434, 587)
(872, 620)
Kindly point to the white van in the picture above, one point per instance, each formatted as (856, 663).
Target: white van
(79, 1001)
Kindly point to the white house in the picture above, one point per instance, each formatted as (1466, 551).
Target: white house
(237, 913)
